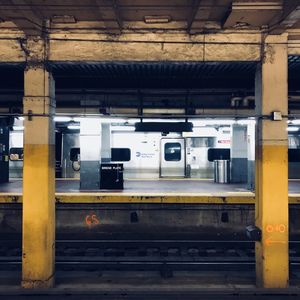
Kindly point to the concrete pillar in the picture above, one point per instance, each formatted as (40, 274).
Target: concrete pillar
(90, 153)
(105, 144)
(238, 153)
(271, 92)
(38, 179)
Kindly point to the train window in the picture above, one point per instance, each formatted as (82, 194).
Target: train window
(172, 152)
(15, 154)
(75, 154)
(120, 154)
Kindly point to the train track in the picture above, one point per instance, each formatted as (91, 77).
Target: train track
(165, 256)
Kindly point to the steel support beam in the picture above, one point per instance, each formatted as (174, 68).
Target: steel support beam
(271, 90)
(38, 179)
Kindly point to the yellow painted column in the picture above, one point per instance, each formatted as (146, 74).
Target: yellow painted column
(271, 92)
(38, 179)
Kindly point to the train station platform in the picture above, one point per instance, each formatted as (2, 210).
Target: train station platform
(111, 286)
(150, 191)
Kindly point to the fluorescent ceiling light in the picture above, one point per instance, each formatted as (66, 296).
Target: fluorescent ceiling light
(157, 19)
(123, 128)
(77, 119)
(106, 119)
(112, 120)
(292, 129)
(245, 122)
(18, 128)
(64, 19)
(206, 122)
(73, 127)
(294, 122)
(62, 119)
(257, 5)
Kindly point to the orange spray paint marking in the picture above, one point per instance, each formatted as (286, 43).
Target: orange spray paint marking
(91, 220)
(281, 228)
(276, 228)
(269, 228)
(269, 241)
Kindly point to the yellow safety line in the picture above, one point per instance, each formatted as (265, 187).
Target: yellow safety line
(248, 198)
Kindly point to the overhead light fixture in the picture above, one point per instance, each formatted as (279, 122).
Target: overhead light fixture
(212, 122)
(292, 129)
(77, 119)
(64, 19)
(123, 128)
(62, 119)
(74, 127)
(157, 19)
(246, 122)
(257, 5)
(294, 122)
(18, 128)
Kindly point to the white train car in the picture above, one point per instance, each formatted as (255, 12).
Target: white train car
(144, 154)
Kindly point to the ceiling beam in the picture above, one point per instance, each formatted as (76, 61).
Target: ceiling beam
(207, 16)
(116, 15)
(26, 20)
(291, 16)
(192, 15)
(211, 47)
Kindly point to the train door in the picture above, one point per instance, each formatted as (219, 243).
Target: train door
(172, 157)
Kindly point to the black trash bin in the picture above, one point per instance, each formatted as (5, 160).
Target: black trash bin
(111, 177)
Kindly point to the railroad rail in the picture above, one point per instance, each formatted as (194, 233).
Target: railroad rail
(165, 256)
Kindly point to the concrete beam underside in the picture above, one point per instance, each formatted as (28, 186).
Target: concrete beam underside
(138, 47)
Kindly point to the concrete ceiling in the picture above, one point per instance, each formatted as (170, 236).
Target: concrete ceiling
(161, 85)
(116, 16)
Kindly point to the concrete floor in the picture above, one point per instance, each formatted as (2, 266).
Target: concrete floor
(148, 187)
(175, 186)
(127, 284)
(150, 279)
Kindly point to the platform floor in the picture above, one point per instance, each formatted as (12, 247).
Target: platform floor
(151, 191)
(143, 187)
(174, 186)
(150, 286)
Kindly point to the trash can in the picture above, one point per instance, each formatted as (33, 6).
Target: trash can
(222, 171)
